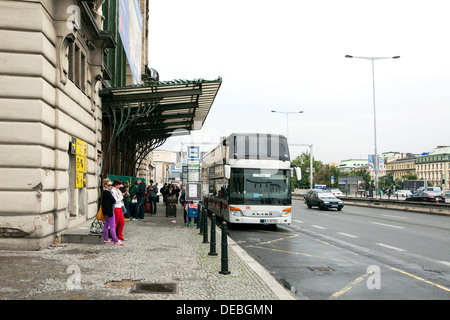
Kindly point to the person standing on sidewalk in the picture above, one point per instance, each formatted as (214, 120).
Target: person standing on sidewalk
(108, 203)
(118, 213)
(152, 194)
(140, 206)
(163, 192)
(126, 201)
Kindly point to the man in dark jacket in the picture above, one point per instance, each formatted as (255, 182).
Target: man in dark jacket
(152, 194)
(140, 206)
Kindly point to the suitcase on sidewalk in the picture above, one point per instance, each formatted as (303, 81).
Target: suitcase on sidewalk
(148, 208)
(171, 210)
(171, 207)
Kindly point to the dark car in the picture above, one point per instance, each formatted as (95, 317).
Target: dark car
(429, 196)
(323, 200)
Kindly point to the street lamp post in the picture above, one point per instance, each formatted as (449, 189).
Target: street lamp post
(287, 120)
(376, 164)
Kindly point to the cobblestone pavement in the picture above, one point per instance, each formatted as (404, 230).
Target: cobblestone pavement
(159, 250)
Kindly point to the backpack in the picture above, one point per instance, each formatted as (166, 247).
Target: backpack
(133, 191)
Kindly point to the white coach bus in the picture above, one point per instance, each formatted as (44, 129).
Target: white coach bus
(247, 179)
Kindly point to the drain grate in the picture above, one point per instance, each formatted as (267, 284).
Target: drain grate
(154, 288)
(320, 269)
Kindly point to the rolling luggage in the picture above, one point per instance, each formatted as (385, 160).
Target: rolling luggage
(171, 207)
(171, 210)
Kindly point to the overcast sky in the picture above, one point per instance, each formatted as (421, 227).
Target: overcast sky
(289, 55)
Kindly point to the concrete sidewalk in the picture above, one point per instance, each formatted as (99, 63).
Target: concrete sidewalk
(162, 259)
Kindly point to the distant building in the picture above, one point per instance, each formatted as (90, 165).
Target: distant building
(353, 164)
(163, 161)
(435, 166)
(401, 164)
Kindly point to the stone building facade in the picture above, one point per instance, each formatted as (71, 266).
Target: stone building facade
(401, 166)
(77, 104)
(434, 166)
(51, 70)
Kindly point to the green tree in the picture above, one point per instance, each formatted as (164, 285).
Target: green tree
(323, 176)
(386, 181)
(303, 161)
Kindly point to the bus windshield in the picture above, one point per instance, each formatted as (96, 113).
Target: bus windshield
(260, 186)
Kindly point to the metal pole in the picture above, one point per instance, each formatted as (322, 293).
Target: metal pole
(224, 256)
(311, 168)
(377, 163)
(212, 248)
(287, 120)
(200, 221)
(205, 226)
(287, 126)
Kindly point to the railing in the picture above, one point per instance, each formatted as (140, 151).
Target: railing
(393, 203)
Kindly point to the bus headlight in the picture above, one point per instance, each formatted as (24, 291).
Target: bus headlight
(235, 211)
(286, 211)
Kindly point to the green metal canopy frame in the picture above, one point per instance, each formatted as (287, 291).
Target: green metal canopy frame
(139, 118)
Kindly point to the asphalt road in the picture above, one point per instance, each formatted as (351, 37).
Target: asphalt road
(357, 253)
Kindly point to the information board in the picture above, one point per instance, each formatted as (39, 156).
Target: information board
(193, 191)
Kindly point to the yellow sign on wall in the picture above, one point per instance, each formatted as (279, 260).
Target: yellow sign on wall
(79, 149)
(81, 163)
(81, 180)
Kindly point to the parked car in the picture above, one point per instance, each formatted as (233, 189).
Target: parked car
(429, 196)
(435, 189)
(337, 192)
(323, 200)
(403, 193)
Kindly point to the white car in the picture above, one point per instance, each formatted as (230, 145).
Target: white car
(403, 193)
(337, 192)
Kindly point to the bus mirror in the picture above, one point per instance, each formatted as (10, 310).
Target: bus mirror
(227, 172)
(298, 173)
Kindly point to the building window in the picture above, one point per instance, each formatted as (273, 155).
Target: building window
(83, 73)
(77, 66)
(71, 61)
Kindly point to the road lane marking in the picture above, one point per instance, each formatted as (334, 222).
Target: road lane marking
(279, 239)
(277, 232)
(298, 221)
(387, 225)
(390, 247)
(318, 227)
(347, 235)
(349, 286)
(301, 254)
(445, 262)
(420, 279)
(396, 217)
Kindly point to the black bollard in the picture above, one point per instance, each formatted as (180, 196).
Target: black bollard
(200, 221)
(205, 225)
(224, 258)
(197, 220)
(212, 248)
(198, 215)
